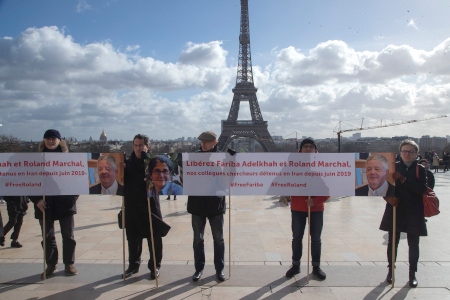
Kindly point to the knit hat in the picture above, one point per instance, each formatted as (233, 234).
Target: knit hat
(308, 141)
(207, 136)
(52, 133)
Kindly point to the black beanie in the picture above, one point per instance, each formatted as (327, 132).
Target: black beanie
(52, 133)
(308, 141)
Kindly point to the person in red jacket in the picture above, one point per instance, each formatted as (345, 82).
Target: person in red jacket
(299, 212)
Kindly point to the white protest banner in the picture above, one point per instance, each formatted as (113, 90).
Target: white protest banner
(27, 174)
(290, 174)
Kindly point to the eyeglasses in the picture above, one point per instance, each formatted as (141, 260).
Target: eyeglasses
(159, 172)
(408, 152)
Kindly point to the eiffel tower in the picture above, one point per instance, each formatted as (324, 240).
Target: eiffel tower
(245, 91)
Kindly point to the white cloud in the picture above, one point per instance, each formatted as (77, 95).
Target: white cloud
(82, 5)
(412, 24)
(48, 80)
(210, 55)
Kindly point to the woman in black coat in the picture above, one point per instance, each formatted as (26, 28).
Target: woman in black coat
(411, 184)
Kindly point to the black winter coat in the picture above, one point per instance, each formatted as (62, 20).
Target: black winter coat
(16, 204)
(135, 195)
(58, 207)
(410, 215)
(206, 206)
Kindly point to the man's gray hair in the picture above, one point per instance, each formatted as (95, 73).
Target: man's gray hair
(110, 159)
(379, 158)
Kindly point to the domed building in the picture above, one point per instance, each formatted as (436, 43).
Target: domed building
(103, 137)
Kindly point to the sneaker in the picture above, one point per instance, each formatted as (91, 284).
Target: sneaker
(49, 271)
(293, 271)
(71, 270)
(319, 273)
(16, 244)
(2, 241)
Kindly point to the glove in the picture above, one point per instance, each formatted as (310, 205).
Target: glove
(392, 201)
(399, 177)
(231, 151)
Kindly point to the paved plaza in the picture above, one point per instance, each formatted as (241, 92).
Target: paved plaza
(258, 254)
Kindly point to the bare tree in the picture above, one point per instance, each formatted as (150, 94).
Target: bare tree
(10, 144)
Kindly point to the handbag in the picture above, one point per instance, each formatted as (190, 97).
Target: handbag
(159, 224)
(119, 219)
(430, 201)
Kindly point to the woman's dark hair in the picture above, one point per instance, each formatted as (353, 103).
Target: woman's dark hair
(161, 159)
(140, 136)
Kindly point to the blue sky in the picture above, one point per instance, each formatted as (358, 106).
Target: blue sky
(166, 68)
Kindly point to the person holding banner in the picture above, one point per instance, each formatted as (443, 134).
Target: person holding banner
(411, 184)
(136, 206)
(212, 208)
(299, 214)
(107, 172)
(61, 208)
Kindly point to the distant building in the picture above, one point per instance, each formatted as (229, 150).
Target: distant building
(103, 137)
(439, 142)
(356, 136)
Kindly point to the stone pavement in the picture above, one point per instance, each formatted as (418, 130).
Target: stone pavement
(353, 255)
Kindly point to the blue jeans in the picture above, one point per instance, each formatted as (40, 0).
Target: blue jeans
(198, 225)
(298, 225)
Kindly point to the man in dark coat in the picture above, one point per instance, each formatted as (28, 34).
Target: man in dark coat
(136, 207)
(430, 176)
(211, 208)
(60, 208)
(2, 238)
(17, 207)
(411, 184)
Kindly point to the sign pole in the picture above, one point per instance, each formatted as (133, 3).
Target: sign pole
(151, 237)
(44, 236)
(309, 239)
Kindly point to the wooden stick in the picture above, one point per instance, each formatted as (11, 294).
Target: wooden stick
(44, 237)
(394, 231)
(309, 239)
(229, 232)
(123, 236)
(151, 237)
(394, 245)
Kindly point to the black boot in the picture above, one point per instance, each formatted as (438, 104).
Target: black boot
(389, 276)
(412, 279)
(294, 269)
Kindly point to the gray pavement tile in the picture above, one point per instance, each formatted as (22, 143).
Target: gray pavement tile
(353, 255)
